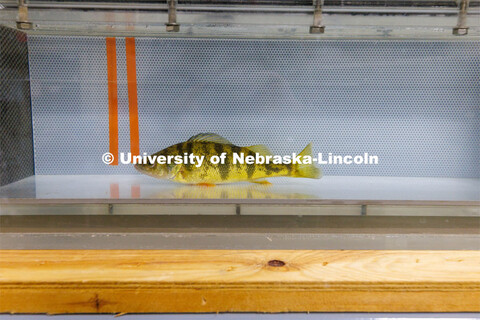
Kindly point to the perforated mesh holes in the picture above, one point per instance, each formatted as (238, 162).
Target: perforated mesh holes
(16, 150)
(415, 104)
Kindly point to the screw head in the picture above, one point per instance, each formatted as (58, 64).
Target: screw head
(317, 29)
(460, 31)
(173, 27)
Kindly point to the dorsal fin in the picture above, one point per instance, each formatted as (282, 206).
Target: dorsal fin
(261, 150)
(209, 137)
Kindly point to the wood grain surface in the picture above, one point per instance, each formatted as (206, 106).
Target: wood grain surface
(135, 281)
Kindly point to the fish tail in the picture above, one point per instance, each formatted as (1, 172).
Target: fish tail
(307, 170)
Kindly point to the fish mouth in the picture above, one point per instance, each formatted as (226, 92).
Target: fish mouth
(141, 170)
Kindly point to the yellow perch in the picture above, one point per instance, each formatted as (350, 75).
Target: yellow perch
(210, 144)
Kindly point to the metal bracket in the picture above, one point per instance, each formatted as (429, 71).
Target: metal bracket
(172, 25)
(22, 19)
(317, 26)
(461, 28)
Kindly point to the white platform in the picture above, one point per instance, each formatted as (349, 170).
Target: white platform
(334, 188)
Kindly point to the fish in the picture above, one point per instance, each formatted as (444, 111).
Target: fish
(210, 174)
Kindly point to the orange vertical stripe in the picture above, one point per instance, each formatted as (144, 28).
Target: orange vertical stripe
(114, 191)
(112, 98)
(135, 191)
(132, 96)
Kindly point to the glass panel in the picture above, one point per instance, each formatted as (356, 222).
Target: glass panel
(385, 99)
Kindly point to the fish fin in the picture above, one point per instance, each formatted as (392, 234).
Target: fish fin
(204, 184)
(307, 170)
(175, 171)
(261, 149)
(209, 137)
(261, 181)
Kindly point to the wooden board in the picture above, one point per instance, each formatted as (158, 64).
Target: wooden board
(135, 281)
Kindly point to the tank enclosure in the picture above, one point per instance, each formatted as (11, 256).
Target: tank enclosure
(81, 83)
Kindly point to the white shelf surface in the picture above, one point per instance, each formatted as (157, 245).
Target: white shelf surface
(328, 190)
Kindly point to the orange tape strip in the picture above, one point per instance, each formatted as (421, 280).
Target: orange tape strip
(132, 96)
(135, 191)
(114, 191)
(112, 98)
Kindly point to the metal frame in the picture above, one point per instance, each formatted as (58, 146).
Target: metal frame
(462, 29)
(134, 231)
(22, 21)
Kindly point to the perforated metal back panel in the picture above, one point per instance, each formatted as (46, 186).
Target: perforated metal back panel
(16, 149)
(414, 104)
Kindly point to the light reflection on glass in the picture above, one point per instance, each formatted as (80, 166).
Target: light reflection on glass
(249, 191)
